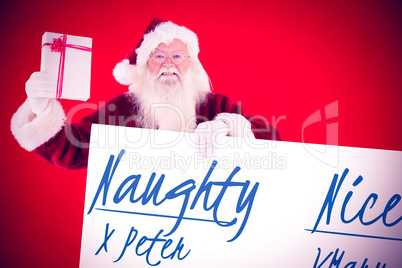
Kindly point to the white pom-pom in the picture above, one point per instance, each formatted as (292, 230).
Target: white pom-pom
(124, 72)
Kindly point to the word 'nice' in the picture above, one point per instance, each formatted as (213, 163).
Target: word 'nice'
(388, 215)
(126, 190)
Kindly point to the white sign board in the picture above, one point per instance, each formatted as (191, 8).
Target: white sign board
(151, 200)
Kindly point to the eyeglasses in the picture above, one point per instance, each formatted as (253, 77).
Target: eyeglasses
(177, 57)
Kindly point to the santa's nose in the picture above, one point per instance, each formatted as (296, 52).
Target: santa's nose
(168, 61)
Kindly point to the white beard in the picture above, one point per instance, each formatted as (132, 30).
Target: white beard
(168, 102)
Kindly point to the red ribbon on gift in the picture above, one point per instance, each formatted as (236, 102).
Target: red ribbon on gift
(60, 45)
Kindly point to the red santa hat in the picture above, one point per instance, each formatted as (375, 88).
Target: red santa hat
(157, 32)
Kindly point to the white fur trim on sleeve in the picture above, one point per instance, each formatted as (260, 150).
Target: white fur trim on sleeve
(30, 130)
(239, 126)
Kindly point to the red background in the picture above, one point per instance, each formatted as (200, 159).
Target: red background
(279, 58)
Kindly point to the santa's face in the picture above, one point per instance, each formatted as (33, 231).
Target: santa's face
(170, 70)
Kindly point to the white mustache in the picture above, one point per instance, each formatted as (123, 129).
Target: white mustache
(169, 70)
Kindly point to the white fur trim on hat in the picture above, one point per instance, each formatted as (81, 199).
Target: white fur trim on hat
(239, 126)
(30, 130)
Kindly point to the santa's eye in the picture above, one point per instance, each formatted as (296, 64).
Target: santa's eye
(177, 56)
(159, 58)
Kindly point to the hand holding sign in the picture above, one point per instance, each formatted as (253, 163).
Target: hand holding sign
(208, 136)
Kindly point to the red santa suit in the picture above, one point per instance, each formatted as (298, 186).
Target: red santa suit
(69, 147)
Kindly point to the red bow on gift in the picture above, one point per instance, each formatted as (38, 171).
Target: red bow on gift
(57, 45)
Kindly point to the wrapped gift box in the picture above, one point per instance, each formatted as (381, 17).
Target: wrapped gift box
(67, 60)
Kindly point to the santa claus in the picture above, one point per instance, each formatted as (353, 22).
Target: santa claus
(168, 90)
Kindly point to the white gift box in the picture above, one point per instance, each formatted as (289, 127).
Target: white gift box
(67, 60)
